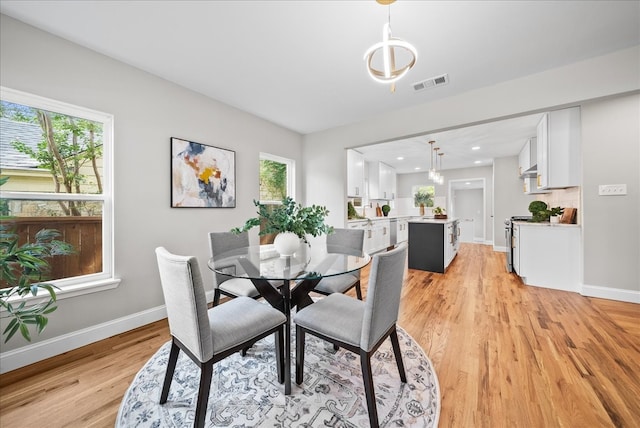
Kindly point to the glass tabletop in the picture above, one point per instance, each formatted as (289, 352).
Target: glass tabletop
(308, 262)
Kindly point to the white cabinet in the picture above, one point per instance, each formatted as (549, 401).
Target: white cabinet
(382, 181)
(402, 231)
(515, 238)
(377, 235)
(355, 174)
(558, 135)
(548, 255)
(452, 233)
(528, 158)
(530, 186)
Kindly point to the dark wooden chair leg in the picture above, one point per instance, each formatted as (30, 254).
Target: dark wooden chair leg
(335, 347)
(168, 377)
(279, 339)
(367, 376)
(358, 290)
(396, 352)
(216, 297)
(299, 355)
(203, 393)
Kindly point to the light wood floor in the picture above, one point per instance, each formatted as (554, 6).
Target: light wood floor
(506, 355)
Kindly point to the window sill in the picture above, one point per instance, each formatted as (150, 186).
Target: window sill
(68, 291)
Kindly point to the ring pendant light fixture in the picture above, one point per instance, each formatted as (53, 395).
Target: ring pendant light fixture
(388, 48)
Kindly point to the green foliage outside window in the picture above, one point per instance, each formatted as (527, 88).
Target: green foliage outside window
(67, 146)
(273, 180)
(423, 195)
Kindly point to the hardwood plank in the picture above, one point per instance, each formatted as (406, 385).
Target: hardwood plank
(505, 354)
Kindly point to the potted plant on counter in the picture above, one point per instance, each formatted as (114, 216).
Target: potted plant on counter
(555, 214)
(439, 213)
(385, 210)
(539, 210)
(291, 221)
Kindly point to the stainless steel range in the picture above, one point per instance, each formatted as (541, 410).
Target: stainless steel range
(508, 236)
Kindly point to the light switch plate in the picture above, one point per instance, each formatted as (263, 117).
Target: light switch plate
(612, 189)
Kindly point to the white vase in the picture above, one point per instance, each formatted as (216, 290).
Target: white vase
(554, 219)
(286, 243)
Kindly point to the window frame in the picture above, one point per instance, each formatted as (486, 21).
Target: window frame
(90, 283)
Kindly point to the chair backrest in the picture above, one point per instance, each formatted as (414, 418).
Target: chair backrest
(221, 242)
(186, 302)
(346, 238)
(383, 295)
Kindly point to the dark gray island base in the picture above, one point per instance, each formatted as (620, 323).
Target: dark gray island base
(432, 244)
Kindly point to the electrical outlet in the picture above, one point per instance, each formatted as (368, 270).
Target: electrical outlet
(612, 189)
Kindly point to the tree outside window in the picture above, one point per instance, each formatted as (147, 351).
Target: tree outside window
(423, 195)
(276, 183)
(273, 180)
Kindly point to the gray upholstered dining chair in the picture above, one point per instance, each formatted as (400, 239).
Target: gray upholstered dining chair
(221, 242)
(210, 335)
(346, 238)
(358, 326)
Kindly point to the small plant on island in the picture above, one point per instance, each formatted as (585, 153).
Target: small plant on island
(385, 209)
(289, 217)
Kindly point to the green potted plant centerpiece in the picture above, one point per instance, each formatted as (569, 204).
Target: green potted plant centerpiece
(291, 221)
(385, 210)
(439, 213)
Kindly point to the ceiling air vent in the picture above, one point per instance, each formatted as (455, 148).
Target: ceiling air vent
(434, 81)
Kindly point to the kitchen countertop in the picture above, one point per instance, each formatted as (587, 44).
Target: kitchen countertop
(391, 217)
(434, 220)
(545, 224)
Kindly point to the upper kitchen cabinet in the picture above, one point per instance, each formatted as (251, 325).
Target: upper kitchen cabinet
(528, 158)
(382, 181)
(355, 174)
(558, 142)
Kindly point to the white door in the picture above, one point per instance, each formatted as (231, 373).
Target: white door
(467, 203)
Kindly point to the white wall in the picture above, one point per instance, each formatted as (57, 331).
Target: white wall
(611, 224)
(612, 74)
(148, 111)
(509, 199)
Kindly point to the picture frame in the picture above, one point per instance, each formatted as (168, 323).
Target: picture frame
(202, 176)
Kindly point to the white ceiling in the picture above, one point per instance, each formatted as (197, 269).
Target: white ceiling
(300, 64)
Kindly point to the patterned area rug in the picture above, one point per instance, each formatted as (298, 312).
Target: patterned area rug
(245, 391)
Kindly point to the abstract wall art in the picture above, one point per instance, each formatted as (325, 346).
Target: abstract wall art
(202, 176)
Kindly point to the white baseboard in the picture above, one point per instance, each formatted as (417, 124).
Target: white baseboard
(499, 248)
(619, 294)
(35, 352)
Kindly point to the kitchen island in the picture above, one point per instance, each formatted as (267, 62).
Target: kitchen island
(433, 243)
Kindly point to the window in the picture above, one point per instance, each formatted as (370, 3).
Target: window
(55, 158)
(277, 176)
(423, 195)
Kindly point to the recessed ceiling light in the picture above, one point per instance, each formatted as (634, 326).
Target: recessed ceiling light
(467, 183)
(400, 158)
(478, 162)
(417, 168)
(475, 148)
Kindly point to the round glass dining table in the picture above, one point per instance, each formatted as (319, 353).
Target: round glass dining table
(286, 281)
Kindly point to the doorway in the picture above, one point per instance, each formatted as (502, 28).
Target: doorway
(467, 198)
